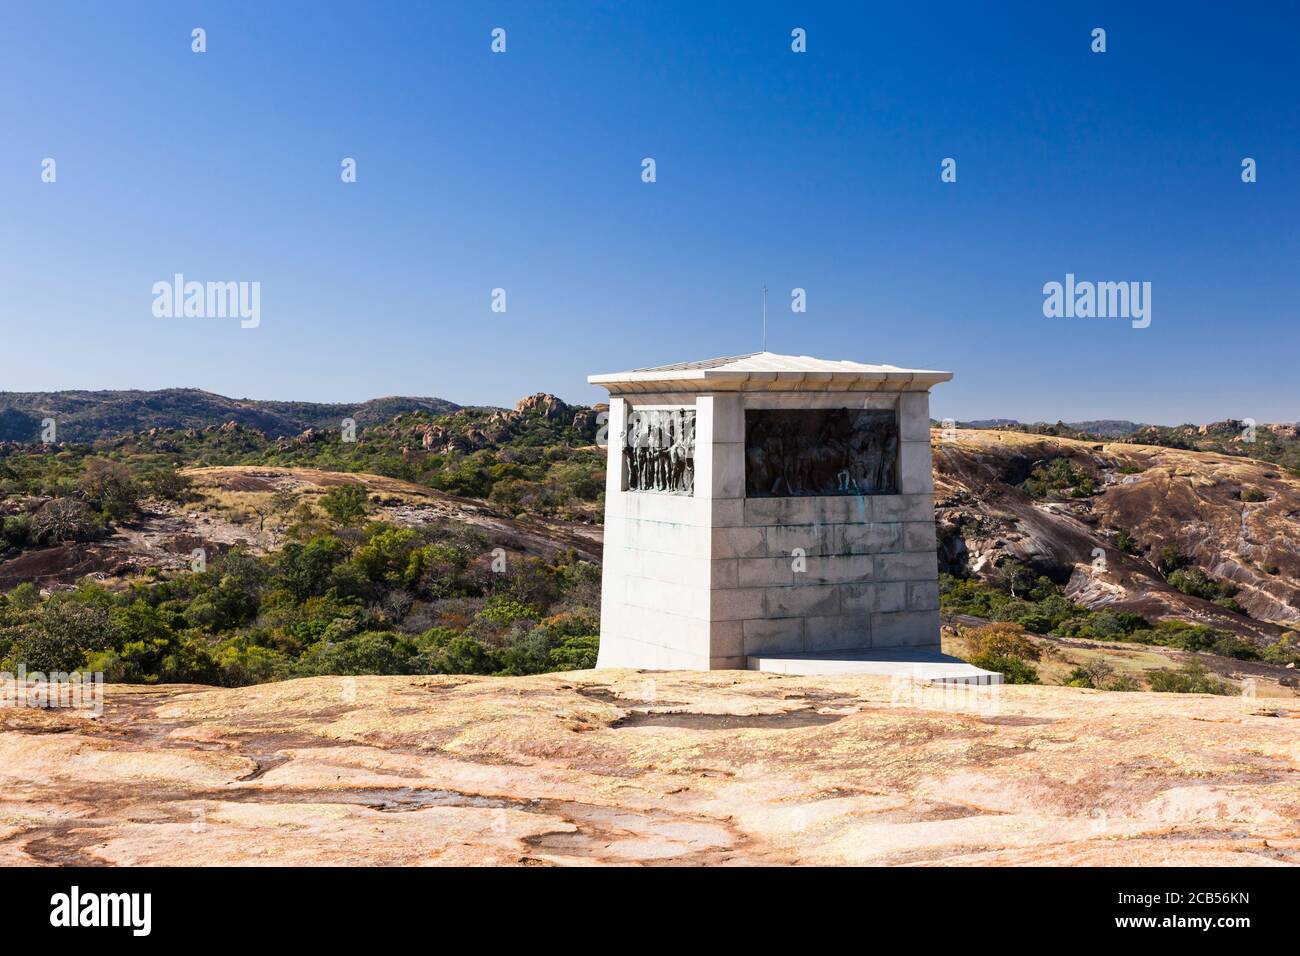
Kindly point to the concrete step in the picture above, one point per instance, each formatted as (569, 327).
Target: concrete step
(916, 663)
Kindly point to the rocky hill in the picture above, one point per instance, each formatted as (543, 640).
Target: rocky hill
(87, 416)
(1277, 442)
(1100, 428)
(1113, 513)
(619, 767)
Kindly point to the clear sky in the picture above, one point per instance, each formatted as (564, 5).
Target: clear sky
(523, 171)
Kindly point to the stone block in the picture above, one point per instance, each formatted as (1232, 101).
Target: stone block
(864, 598)
(781, 542)
(923, 596)
(820, 599)
(905, 629)
(728, 513)
(765, 572)
(739, 543)
(736, 604)
(914, 468)
(773, 636)
(728, 418)
(780, 511)
(728, 472)
(838, 632)
(836, 569)
(727, 639)
(873, 538)
(919, 536)
(914, 416)
(724, 573)
(907, 566)
(918, 507)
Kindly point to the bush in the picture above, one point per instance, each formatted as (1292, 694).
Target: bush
(443, 651)
(1194, 637)
(1286, 650)
(15, 531)
(1058, 476)
(60, 633)
(369, 653)
(1103, 626)
(1196, 583)
(169, 484)
(347, 503)
(1004, 648)
(1012, 669)
(1096, 673)
(575, 653)
(503, 611)
(1002, 640)
(1124, 542)
(1191, 678)
(1171, 559)
(64, 519)
(109, 487)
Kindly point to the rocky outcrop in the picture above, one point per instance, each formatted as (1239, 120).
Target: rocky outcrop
(548, 406)
(620, 767)
(473, 431)
(1236, 518)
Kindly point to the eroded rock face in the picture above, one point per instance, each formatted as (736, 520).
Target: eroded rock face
(1199, 503)
(656, 768)
(542, 403)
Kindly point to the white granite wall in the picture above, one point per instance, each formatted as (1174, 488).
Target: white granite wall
(705, 582)
(655, 577)
(866, 574)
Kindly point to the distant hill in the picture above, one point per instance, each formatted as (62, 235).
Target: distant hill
(1106, 427)
(84, 416)
(1103, 428)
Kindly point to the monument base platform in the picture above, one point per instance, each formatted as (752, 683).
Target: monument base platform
(917, 663)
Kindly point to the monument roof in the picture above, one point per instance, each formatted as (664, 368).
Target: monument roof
(760, 370)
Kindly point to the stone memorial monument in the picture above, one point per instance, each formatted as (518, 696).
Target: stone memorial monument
(770, 511)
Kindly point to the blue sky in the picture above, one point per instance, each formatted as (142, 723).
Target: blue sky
(523, 171)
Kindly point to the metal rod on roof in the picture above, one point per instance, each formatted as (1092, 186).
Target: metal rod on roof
(764, 316)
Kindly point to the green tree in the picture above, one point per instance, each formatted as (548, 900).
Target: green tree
(347, 503)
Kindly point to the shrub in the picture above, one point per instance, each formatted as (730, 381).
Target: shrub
(1196, 583)
(347, 503)
(1286, 650)
(1103, 626)
(1191, 678)
(1095, 673)
(1058, 476)
(1013, 669)
(109, 487)
(169, 484)
(450, 653)
(1125, 683)
(59, 634)
(1002, 640)
(1004, 648)
(575, 653)
(64, 519)
(368, 653)
(503, 611)
(1171, 559)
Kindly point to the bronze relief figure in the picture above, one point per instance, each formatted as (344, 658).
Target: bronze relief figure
(820, 451)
